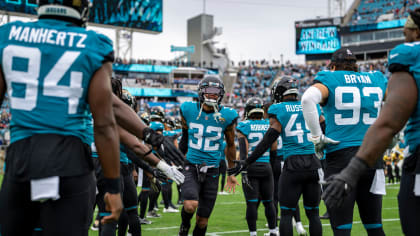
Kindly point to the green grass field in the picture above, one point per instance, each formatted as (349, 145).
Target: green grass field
(228, 218)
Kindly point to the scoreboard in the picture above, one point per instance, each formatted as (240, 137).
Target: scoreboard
(141, 15)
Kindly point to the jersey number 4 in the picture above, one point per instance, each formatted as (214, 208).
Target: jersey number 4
(30, 77)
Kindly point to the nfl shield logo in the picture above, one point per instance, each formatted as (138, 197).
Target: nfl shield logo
(206, 117)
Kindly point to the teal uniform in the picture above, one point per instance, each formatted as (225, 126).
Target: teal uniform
(205, 134)
(51, 98)
(254, 131)
(353, 104)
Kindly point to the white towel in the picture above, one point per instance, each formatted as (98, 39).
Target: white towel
(45, 189)
(378, 183)
(417, 185)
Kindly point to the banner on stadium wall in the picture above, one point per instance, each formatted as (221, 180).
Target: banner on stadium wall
(376, 26)
(160, 92)
(140, 68)
(165, 105)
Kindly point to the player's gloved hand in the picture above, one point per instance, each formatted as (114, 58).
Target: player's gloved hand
(245, 180)
(159, 175)
(240, 165)
(172, 153)
(151, 137)
(337, 187)
(171, 172)
(320, 143)
(155, 184)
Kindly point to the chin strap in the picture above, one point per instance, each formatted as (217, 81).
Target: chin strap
(217, 115)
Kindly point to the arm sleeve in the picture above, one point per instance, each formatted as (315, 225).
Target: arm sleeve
(270, 136)
(138, 161)
(183, 143)
(310, 99)
(242, 148)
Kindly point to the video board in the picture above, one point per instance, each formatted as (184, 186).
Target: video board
(318, 36)
(143, 15)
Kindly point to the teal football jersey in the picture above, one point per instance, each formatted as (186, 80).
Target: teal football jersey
(408, 55)
(254, 131)
(294, 130)
(353, 104)
(123, 155)
(205, 134)
(48, 65)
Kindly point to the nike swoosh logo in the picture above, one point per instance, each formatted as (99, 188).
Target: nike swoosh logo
(393, 55)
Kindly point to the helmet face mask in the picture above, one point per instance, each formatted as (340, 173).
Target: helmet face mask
(254, 105)
(211, 84)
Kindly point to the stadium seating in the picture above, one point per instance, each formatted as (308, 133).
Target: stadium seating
(369, 11)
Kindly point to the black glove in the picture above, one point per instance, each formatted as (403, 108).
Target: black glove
(168, 152)
(173, 153)
(245, 180)
(152, 138)
(159, 175)
(240, 166)
(340, 185)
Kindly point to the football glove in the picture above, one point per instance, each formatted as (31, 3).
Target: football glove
(337, 187)
(171, 172)
(168, 152)
(240, 166)
(245, 180)
(320, 143)
(155, 184)
(159, 175)
(152, 138)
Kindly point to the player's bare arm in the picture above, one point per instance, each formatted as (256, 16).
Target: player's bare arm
(399, 105)
(106, 134)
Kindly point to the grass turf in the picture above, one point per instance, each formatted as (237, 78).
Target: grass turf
(228, 218)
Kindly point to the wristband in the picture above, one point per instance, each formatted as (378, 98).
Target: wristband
(147, 153)
(112, 186)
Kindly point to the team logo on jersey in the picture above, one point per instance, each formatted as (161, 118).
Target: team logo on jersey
(222, 120)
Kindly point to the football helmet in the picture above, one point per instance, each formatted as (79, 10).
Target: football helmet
(170, 122)
(254, 105)
(211, 84)
(75, 9)
(157, 113)
(283, 86)
(128, 98)
(145, 117)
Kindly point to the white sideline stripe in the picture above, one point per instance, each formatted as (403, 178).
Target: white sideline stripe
(245, 231)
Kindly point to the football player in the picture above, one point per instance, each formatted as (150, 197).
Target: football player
(351, 102)
(54, 69)
(204, 123)
(301, 169)
(257, 181)
(402, 105)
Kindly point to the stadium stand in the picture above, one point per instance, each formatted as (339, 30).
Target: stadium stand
(373, 11)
